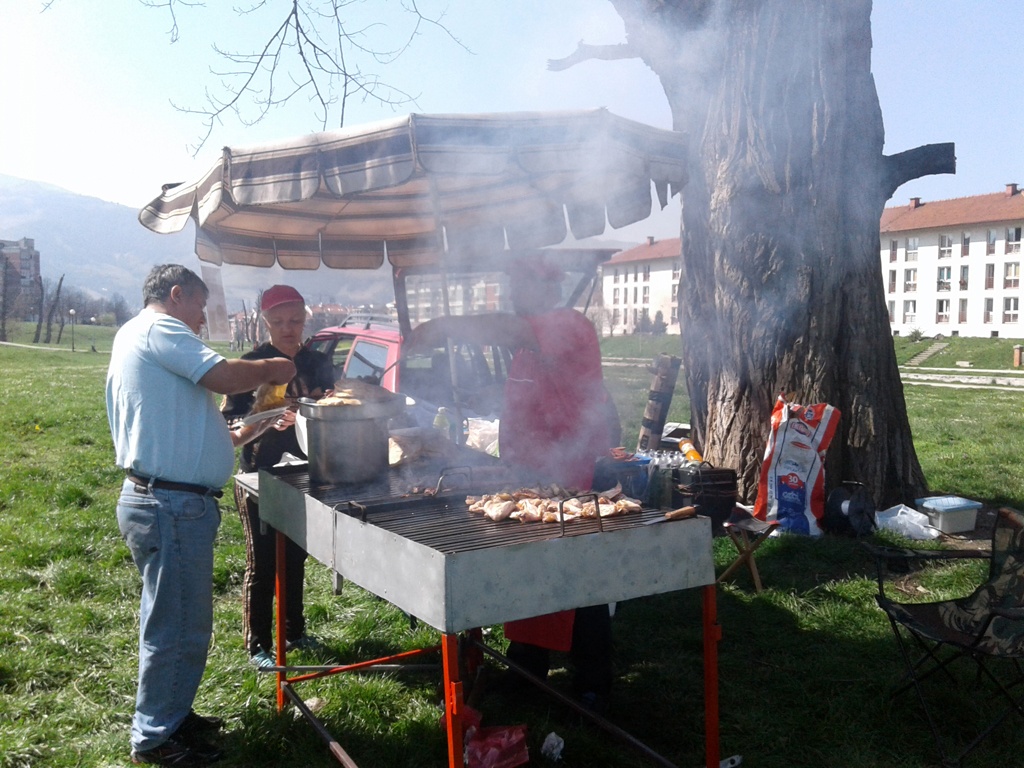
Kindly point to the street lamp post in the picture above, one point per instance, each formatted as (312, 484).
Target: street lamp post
(72, 313)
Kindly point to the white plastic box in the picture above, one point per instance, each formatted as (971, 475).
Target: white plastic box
(950, 514)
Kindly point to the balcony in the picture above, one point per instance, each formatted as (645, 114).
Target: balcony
(1009, 317)
(1011, 282)
(942, 285)
(910, 286)
(942, 317)
(910, 317)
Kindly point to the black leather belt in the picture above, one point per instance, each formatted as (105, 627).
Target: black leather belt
(144, 483)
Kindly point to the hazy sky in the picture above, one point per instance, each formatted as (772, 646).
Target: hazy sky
(86, 87)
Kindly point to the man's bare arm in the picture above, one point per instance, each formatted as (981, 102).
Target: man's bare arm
(229, 377)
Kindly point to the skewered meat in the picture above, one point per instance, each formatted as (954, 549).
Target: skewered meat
(530, 505)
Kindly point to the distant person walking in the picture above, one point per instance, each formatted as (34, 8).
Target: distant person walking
(177, 452)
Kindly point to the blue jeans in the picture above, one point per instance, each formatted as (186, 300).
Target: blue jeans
(170, 535)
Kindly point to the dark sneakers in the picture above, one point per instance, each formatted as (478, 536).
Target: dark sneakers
(175, 753)
(187, 746)
(199, 724)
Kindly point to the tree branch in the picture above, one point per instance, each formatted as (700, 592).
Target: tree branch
(586, 52)
(925, 160)
(317, 49)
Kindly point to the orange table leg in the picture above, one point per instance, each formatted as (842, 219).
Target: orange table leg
(712, 634)
(280, 577)
(452, 698)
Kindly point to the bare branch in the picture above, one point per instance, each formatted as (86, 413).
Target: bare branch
(585, 52)
(926, 160)
(316, 51)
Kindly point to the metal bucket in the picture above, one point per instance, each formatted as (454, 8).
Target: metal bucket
(347, 443)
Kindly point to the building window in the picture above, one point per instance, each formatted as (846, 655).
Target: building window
(988, 311)
(1011, 304)
(647, 294)
(909, 311)
(1012, 240)
(942, 311)
(675, 291)
(963, 277)
(636, 314)
(1011, 274)
(965, 243)
(990, 276)
(894, 246)
(647, 273)
(615, 318)
(636, 271)
(962, 316)
(615, 295)
(910, 280)
(675, 314)
(990, 242)
(675, 270)
(892, 311)
(945, 246)
(615, 275)
(944, 274)
(892, 281)
(635, 293)
(912, 249)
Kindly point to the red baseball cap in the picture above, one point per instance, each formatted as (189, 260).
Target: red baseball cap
(276, 295)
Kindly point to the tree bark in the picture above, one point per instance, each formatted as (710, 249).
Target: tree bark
(53, 308)
(39, 309)
(781, 289)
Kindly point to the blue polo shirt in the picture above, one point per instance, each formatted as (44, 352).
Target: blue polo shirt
(164, 424)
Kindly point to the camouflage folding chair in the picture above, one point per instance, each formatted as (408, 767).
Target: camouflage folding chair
(986, 627)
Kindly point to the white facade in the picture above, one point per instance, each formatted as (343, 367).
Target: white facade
(637, 284)
(954, 279)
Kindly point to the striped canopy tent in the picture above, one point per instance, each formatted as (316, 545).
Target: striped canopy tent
(413, 188)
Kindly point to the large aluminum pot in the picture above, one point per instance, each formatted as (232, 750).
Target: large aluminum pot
(348, 443)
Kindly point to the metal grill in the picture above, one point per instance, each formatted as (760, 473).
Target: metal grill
(456, 570)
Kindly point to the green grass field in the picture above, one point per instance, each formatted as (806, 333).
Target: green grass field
(805, 666)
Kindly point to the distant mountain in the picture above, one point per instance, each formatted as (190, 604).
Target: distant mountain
(102, 249)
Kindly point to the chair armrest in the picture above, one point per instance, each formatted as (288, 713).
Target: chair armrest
(885, 553)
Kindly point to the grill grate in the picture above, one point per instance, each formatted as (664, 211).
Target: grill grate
(442, 522)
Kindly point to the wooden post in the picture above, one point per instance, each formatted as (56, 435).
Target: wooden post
(666, 371)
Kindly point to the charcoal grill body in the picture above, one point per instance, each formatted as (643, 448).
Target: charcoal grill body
(458, 571)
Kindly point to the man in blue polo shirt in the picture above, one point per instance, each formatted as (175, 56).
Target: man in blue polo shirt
(176, 449)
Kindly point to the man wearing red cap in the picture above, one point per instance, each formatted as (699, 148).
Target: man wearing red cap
(284, 315)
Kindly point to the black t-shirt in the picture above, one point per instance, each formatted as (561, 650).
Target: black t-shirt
(313, 371)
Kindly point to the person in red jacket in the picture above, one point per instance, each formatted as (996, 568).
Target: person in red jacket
(554, 424)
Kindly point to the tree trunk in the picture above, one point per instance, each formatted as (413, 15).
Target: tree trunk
(39, 310)
(781, 289)
(53, 308)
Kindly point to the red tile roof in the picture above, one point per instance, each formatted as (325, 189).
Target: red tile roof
(659, 249)
(961, 211)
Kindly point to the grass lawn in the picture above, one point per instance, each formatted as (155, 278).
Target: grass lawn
(805, 666)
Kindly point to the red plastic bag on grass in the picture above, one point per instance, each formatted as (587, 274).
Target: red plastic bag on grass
(791, 486)
(497, 747)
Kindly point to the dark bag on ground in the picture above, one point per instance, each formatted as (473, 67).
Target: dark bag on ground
(849, 511)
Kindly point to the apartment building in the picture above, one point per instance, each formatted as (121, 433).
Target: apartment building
(952, 267)
(22, 259)
(639, 283)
